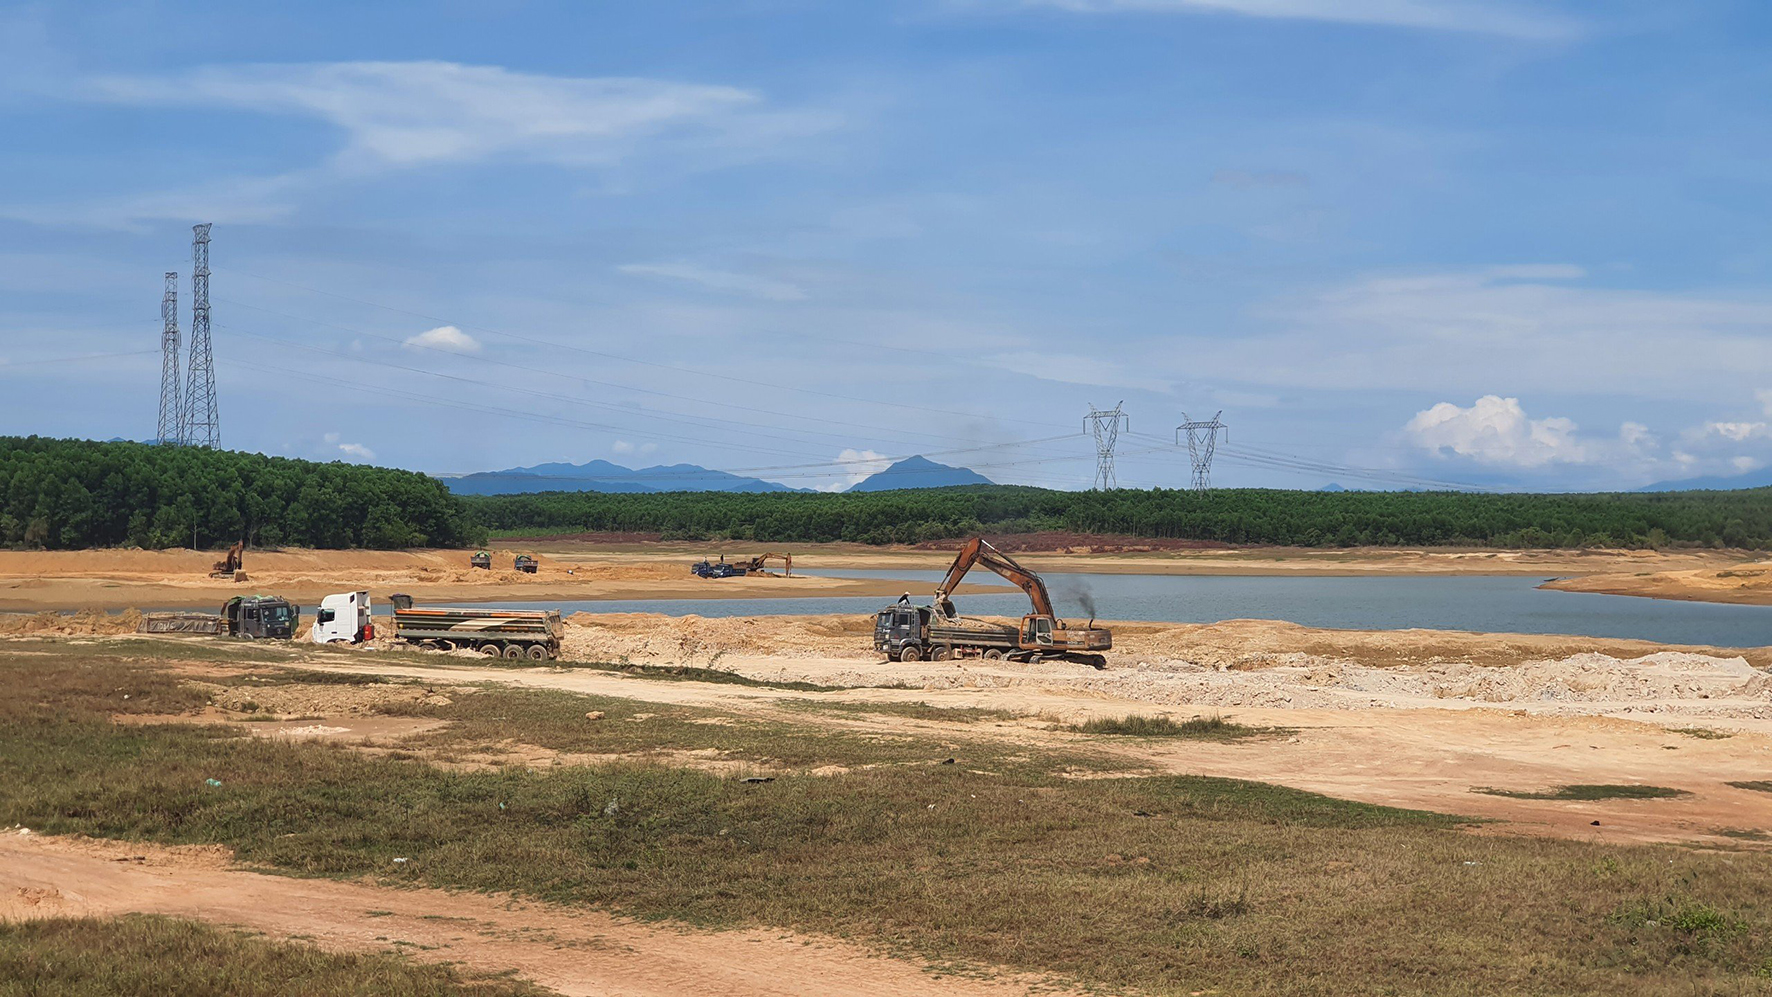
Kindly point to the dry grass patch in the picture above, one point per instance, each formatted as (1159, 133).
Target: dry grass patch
(136, 954)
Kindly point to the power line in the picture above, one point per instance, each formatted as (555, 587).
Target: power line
(1202, 440)
(202, 421)
(1105, 425)
(169, 429)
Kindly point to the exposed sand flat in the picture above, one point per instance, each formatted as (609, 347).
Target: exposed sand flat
(117, 579)
(1749, 584)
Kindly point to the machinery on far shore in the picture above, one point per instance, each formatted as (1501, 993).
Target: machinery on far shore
(758, 565)
(526, 564)
(909, 633)
(481, 559)
(233, 566)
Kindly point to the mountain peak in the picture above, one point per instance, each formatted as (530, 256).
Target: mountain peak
(919, 471)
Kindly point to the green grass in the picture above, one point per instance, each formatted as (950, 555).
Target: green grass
(1166, 884)
(1587, 792)
(1758, 785)
(94, 957)
(1200, 728)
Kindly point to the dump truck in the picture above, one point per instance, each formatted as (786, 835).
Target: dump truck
(343, 619)
(257, 616)
(512, 633)
(526, 564)
(253, 616)
(910, 633)
(481, 559)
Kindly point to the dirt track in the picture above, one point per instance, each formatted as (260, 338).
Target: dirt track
(575, 952)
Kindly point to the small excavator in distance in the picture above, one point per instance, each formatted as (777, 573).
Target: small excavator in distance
(233, 566)
(909, 632)
(759, 565)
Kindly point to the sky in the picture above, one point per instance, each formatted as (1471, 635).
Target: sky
(1398, 243)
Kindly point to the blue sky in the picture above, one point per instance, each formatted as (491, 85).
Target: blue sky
(1502, 244)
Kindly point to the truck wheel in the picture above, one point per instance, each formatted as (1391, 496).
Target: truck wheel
(940, 654)
(1034, 659)
(513, 651)
(993, 654)
(910, 652)
(490, 649)
(538, 652)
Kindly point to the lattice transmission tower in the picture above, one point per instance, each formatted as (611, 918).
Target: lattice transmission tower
(1202, 442)
(1106, 424)
(202, 419)
(171, 427)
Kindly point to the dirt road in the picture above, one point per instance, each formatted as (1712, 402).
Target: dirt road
(574, 952)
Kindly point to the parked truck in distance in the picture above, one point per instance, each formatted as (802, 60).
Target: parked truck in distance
(512, 633)
(343, 619)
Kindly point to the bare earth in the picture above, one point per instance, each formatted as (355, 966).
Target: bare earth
(1750, 584)
(176, 579)
(574, 952)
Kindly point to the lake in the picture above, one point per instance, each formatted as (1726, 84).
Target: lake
(1497, 603)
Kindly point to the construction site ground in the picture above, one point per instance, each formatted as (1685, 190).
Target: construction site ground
(1427, 721)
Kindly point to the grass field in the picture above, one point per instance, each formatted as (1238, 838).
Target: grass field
(105, 957)
(1168, 884)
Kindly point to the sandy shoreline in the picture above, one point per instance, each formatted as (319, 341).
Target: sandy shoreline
(1748, 584)
(32, 581)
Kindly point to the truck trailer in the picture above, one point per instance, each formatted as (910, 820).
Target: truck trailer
(512, 633)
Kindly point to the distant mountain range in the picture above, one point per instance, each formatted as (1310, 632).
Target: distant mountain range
(919, 472)
(1752, 479)
(603, 476)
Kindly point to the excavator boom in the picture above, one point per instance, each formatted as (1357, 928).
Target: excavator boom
(979, 551)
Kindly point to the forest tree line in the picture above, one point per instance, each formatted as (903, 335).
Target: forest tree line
(78, 493)
(62, 494)
(1225, 515)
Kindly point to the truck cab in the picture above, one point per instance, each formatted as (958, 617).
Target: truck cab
(343, 619)
(899, 627)
(261, 616)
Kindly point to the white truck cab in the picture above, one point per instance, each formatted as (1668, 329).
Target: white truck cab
(343, 619)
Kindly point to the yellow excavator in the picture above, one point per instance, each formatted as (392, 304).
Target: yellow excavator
(759, 565)
(910, 633)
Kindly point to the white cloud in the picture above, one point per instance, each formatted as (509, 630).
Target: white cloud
(445, 337)
(1497, 431)
(1745, 464)
(718, 280)
(356, 450)
(855, 466)
(414, 113)
(1476, 16)
(624, 447)
(1765, 398)
(1736, 431)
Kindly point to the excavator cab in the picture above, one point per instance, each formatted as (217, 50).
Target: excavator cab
(1036, 631)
